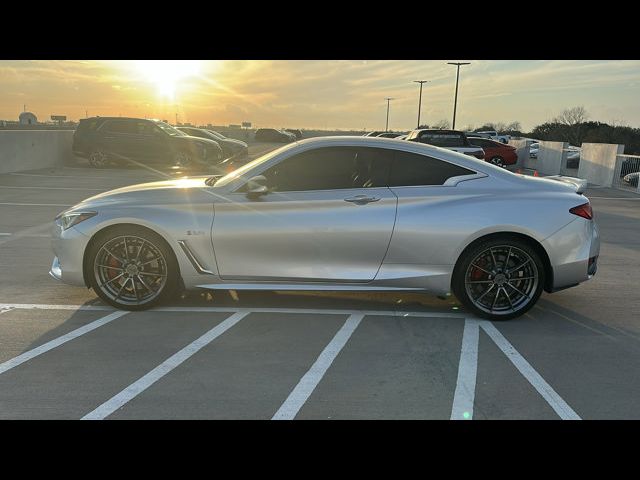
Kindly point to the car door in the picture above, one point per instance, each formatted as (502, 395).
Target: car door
(116, 138)
(149, 143)
(328, 217)
(426, 228)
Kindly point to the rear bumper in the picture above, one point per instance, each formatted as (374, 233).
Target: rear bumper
(573, 253)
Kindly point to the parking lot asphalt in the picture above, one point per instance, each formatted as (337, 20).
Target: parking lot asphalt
(284, 355)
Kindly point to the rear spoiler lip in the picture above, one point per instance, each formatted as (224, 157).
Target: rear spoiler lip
(580, 184)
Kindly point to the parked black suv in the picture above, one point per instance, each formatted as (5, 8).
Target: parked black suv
(450, 139)
(273, 135)
(295, 131)
(103, 140)
(230, 146)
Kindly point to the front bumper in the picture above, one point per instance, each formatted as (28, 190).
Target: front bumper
(68, 247)
(56, 270)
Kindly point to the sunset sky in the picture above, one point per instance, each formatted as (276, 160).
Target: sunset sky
(342, 94)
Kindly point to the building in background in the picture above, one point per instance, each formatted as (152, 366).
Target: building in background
(27, 118)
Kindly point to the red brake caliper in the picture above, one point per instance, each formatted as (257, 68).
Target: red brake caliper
(477, 274)
(111, 273)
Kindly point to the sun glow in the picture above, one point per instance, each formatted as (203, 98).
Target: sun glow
(166, 74)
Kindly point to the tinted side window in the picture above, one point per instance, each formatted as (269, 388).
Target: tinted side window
(120, 126)
(411, 169)
(193, 132)
(87, 125)
(480, 142)
(144, 128)
(331, 168)
(443, 139)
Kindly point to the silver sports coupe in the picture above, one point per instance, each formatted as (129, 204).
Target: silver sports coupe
(336, 213)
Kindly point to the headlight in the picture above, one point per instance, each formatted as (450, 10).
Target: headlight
(67, 220)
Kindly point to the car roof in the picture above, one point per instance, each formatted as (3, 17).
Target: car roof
(121, 118)
(438, 130)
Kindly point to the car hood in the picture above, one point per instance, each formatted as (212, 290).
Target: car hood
(202, 141)
(168, 191)
(234, 141)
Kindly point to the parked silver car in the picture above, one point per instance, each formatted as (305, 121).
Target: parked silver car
(336, 213)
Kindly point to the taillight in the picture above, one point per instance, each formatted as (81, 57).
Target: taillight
(583, 211)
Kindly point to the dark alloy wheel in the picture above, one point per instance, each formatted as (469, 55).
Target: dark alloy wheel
(132, 268)
(499, 279)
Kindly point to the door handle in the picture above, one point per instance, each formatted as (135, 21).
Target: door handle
(361, 199)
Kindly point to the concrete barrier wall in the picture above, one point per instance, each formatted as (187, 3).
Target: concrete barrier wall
(598, 162)
(32, 149)
(522, 150)
(550, 156)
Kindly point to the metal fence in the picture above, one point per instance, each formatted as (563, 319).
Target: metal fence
(627, 173)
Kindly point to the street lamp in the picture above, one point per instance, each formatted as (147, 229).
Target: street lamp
(455, 101)
(388, 99)
(420, 100)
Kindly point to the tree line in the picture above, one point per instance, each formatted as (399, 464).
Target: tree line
(573, 126)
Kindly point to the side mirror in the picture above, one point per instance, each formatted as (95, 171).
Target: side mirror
(257, 186)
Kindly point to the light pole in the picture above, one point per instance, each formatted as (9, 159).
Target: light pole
(388, 99)
(455, 101)
(420, 100)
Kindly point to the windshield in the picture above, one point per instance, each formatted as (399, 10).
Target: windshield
(169, 130)
(221, 182)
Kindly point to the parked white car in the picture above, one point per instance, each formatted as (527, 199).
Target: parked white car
(495, 136)
(533, 150)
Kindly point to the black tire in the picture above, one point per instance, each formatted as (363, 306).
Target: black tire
(497, 160)
(98, 158)
(470, 277)
(141, 289)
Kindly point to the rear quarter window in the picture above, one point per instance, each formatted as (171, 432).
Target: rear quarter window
(411, 169)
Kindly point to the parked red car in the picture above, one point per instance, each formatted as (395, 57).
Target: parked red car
(496, 152)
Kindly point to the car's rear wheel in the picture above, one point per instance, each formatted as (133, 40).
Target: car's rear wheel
(132, 268)
(497, 160)
(499, 279)
(98, 159)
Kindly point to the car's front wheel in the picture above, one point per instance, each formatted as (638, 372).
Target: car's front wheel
(499, 279)
(132, 268)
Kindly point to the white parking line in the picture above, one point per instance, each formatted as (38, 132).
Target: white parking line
(53, 188)
(464, 396)
(94, 308)
(307, 384)
(28, 355)
(139, 386)
(554, 400)
(115, 177)
(27, 235)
